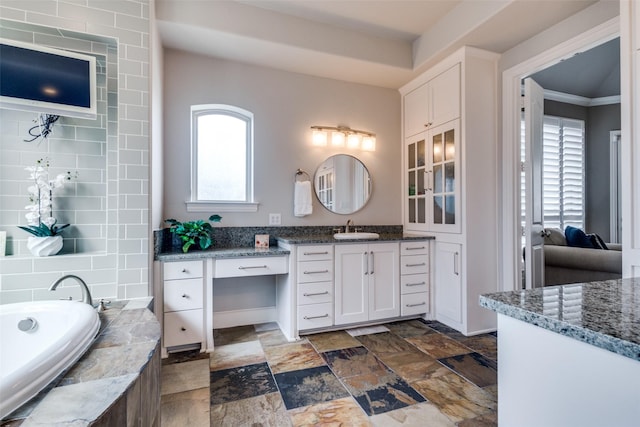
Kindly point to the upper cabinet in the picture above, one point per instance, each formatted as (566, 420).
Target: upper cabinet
(432, 103)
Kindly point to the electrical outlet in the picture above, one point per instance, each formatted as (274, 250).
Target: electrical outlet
(275, 219)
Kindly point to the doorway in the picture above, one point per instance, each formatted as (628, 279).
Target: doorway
(511, 277)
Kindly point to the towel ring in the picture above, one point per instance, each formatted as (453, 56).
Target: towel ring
(301, 173)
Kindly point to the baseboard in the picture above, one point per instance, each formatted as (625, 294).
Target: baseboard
(254, 316)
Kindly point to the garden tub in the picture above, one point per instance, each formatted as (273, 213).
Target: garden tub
(40, 340)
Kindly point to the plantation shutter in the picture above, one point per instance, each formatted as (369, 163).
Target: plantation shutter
(563, 166)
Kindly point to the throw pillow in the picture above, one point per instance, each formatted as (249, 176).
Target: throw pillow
(597, 241)
(576, 237)
(554, 236)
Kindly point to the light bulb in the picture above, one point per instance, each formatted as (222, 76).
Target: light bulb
(337, 139)
(319, 138)
(369, 143)
(353, 140)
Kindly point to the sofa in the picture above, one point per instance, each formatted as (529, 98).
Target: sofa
(573, 264)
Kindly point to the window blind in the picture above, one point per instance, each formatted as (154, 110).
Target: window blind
(563, 172)
(563, 176)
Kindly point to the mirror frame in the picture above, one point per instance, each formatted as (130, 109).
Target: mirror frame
(318, 191)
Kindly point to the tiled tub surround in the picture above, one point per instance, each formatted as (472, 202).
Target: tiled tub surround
(108, 243)
(574, 349)
(116, 383)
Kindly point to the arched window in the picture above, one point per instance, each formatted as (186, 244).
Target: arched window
(222, 159)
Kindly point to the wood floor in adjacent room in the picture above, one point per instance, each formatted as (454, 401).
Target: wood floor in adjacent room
(409, 373)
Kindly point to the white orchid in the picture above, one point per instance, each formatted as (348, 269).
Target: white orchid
(40, 211)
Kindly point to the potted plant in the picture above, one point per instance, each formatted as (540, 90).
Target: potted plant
(192, 232)
(46, 238)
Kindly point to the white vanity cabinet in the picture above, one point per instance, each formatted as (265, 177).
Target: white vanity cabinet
(450, 182)
(366, 282)
(314, 286)
(414, 278)
(183, 302)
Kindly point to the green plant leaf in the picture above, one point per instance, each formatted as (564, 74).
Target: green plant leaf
(42, 230)
(191, 232)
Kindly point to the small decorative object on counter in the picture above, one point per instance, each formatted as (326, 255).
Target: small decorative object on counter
(46, 238)
(262, 240)
(192, 232)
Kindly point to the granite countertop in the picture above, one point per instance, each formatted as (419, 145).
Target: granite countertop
(128, 337)
(604, 314)
(220, 253)
(328, 238)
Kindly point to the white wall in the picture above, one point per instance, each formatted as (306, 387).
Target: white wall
(118, 268)
(284, 105)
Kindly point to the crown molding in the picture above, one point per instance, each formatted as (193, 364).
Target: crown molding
(567, 98)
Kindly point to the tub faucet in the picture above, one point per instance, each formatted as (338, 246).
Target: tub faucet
(349, 224)
(86, 294)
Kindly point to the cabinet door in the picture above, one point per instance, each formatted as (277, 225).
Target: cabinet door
(352, 284)
(443, 178)
(415, 179)
(448, 286)
(416, 111)
(444, 96)
(384, 280)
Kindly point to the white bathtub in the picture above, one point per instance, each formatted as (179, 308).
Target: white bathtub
(29, 360)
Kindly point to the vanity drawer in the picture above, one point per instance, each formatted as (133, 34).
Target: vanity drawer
(413, 283)
(414, 248)
(315, 316)
(414, 264)
(182, 294)
(314, 293)
(182, 270)
(315, 253)
(411, 304)
(183, 327)
(245, 266)
(315, 271)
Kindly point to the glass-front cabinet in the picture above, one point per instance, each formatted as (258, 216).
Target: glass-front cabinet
(432, 181)
(416, 157)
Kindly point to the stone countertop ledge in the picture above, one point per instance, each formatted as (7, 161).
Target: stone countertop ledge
(325, 239)
(221, 253)
(604, 314)
(105, 386)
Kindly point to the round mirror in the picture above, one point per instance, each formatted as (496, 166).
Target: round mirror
(342, 184)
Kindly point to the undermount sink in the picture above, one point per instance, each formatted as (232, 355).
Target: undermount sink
(356, 235)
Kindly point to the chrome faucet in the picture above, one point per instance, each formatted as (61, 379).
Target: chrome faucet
(86, 294)
(349, 224)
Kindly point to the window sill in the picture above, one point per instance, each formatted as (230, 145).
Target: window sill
(221, 207)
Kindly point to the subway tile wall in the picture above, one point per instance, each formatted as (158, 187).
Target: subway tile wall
(107, 204)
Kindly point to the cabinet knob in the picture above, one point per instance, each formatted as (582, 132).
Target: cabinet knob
(185, 296)
(184, 270)
(182, 328)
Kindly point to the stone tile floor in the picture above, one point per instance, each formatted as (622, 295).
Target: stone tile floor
(408, 373)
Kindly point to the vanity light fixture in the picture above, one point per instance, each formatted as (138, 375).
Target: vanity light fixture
(340, 135)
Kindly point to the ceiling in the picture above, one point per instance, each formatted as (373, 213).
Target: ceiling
(384, 43)
(592, 74)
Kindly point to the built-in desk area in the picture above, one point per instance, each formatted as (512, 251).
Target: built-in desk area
(187, 294)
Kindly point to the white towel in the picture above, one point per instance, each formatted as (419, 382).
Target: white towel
(302, 204)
